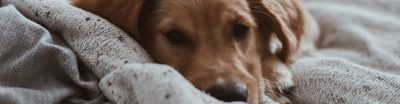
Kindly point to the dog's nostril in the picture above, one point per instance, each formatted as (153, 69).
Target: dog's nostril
(228, 92)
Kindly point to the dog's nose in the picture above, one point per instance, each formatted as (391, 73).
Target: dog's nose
(228, 92)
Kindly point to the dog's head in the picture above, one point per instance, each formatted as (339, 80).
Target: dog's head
(223, 47)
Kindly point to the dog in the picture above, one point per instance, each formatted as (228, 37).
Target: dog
(235, 50)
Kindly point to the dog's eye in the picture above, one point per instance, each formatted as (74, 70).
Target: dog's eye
(176, 37)
(240, 31)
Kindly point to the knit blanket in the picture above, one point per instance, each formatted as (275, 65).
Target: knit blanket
(52, 52)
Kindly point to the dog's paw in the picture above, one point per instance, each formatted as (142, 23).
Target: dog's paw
(281, 86)
(276, 99)
(284, 80)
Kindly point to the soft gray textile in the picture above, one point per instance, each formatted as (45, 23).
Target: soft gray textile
(357, 60)
(358, 55)
(147, 84)
(38, 67)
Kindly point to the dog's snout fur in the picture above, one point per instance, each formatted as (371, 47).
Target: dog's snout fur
(214, 68)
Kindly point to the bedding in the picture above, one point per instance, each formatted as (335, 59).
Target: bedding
(52, 52)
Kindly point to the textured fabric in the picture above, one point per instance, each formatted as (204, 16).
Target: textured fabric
(146, 84)
(356, 60)
(100, 45)
(38, 67)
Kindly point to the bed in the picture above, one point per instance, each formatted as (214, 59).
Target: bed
(52, 52)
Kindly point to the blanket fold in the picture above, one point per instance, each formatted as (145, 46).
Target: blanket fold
(38, 67)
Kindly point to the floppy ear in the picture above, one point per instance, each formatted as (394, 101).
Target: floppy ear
(123, 13)
(270, 22)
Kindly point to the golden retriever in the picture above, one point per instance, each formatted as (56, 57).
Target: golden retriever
(235, 50)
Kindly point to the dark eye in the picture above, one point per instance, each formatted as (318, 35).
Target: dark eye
(176, 37)
(240, 31)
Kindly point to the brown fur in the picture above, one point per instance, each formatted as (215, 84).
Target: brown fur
(209, 53)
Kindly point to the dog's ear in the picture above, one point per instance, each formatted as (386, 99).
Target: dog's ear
(270, 22)
(123, 13)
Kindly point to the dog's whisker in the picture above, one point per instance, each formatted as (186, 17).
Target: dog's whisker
(283, 91)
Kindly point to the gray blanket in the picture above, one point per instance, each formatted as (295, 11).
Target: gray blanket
(51, 52)
(38, 67)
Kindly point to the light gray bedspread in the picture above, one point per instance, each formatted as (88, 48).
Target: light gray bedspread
(51, 52)
(38, 67)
